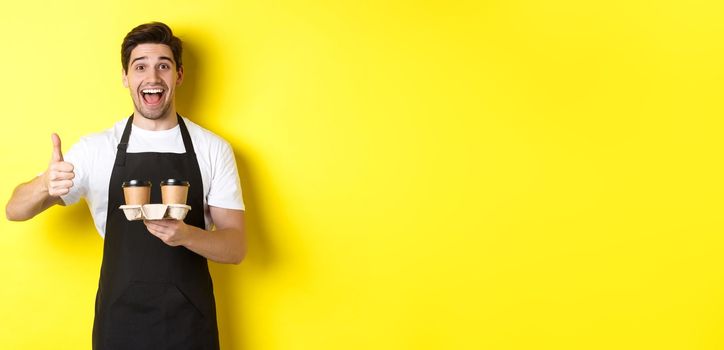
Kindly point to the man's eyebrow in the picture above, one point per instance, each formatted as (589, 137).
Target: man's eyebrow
(139, 58)
(145, 57)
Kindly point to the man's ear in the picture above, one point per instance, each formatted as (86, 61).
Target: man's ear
(180, 73)
(125, 78)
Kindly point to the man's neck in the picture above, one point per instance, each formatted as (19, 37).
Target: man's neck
(166, 122)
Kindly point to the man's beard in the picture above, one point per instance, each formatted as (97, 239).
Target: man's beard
(152, 115)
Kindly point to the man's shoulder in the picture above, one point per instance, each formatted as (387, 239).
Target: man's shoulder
(203, 136)
(105, 138)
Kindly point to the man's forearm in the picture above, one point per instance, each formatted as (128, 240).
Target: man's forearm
(223, 246)
(29, 199)
(226, 244)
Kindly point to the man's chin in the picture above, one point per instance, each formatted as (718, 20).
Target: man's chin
(153, 114)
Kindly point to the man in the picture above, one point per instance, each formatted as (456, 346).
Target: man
(155, 291)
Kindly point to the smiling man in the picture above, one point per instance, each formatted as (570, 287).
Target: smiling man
(155, 291)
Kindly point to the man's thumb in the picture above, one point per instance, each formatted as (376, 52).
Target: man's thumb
(57, 153)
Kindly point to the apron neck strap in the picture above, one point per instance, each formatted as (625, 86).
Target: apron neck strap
(188, 145)
(123, 145)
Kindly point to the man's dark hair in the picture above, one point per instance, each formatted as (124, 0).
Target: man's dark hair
(150, 33)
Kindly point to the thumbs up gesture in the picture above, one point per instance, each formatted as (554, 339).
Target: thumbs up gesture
(59, 176)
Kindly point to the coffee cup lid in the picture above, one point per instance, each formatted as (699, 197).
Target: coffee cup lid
(174, 182)
(136, 183)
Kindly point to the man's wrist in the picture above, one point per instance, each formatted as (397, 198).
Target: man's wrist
(192, 235)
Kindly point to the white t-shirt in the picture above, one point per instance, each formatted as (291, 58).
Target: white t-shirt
(94, 155)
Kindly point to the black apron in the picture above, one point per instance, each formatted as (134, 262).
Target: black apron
(151, 295)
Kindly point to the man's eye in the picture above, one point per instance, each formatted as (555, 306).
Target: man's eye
(163, 66)
(140, 67)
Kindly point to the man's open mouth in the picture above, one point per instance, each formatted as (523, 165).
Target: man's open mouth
(152, 96)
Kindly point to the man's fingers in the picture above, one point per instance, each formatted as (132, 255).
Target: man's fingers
(152, 226)
(59, 188)
(61, 184)
(156, 230)
(61, 175)
(162, 227)
(57, 153)
(59, 192)
(160, 224)
(163, 230)
(62, 167)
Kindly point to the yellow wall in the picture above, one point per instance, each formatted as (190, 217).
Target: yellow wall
(418, 174)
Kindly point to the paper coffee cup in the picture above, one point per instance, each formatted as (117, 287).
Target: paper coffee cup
(174, 191)
(137, 192)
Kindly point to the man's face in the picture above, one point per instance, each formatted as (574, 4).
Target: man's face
(152, 79)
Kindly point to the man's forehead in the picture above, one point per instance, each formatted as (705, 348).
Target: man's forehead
(151, 51)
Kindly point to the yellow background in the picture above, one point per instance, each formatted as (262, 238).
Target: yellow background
(417, 174)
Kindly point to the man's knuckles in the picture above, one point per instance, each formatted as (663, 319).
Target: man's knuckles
(62, 166)
(62, 175)
(58, 191)
(63, 184)
(59, 185)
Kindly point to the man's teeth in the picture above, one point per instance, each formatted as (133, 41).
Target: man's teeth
(152, 91)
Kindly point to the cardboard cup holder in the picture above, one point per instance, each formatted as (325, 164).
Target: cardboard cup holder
(155, 211)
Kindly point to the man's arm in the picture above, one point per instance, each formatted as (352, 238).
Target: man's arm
(30, 199)
(44, 191)
(226, 244)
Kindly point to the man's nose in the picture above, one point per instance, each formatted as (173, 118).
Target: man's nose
(153, 75)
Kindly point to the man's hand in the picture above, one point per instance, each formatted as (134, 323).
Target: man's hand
(226, 244)
(171, 232)
(42, 192)
(58, 179)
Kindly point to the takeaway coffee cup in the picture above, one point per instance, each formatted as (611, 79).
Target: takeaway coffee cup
(137, 192)
(174, 191)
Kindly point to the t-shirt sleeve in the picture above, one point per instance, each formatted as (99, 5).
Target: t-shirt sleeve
(225, 187)
(78, 155)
